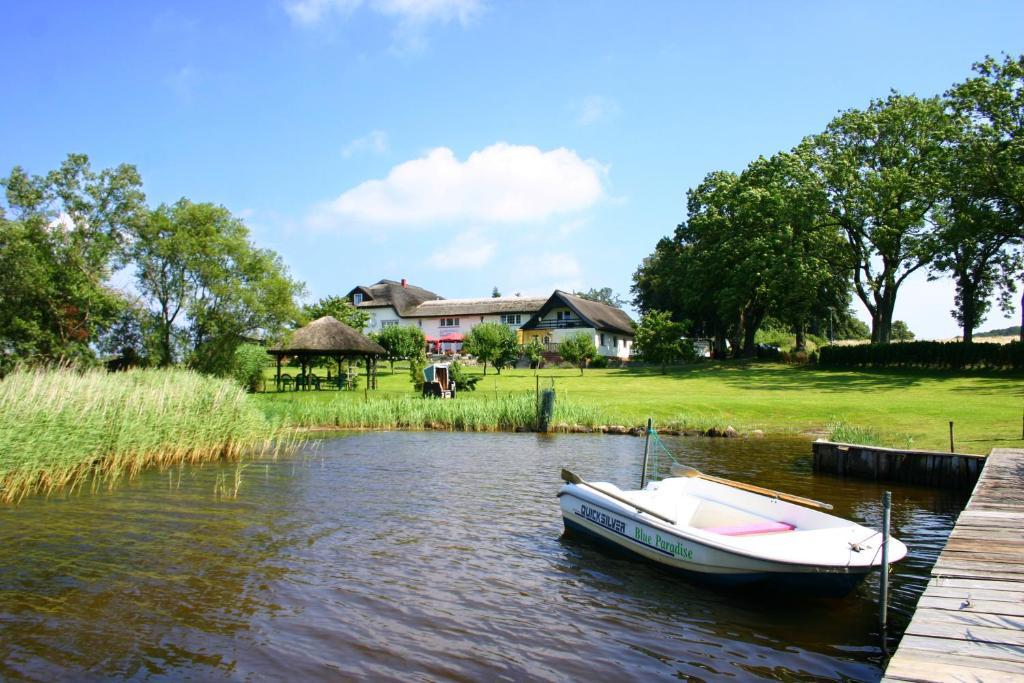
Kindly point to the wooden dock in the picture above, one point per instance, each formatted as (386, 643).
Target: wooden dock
(969, 623)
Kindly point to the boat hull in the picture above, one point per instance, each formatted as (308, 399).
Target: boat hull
(687, 555)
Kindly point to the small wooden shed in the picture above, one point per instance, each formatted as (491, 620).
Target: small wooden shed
(331, 338)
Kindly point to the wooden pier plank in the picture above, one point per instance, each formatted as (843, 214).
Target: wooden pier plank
(969, 623)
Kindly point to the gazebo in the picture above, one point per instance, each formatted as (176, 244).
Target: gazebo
(332, 338)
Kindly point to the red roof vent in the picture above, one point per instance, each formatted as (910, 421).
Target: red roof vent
(405, 283)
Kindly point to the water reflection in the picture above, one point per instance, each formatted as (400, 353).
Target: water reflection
(440, 556)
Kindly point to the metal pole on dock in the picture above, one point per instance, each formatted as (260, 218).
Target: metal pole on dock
(883, 607)
(647, 452)
(951, 450)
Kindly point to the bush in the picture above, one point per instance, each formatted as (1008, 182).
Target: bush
(463, 380)
(250, 361)
(926, 354)
(599, 362)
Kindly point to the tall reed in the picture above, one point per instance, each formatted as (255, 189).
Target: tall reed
(60, 428)
(504, 412)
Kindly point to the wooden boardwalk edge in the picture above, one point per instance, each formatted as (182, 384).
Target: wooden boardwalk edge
(969, 622)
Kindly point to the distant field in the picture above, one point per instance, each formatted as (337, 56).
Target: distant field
(903, 406)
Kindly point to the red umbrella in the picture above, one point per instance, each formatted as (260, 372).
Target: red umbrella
(452, 337)
(432, 340)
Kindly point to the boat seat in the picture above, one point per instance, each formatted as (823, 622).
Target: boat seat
(768, 527)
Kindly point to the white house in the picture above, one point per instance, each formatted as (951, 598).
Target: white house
(388, 302)
(447, 321)
(564, 315)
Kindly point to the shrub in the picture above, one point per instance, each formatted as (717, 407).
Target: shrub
(250, 361)
(599, 362)
(926, 354)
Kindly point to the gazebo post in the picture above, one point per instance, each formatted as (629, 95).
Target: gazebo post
(278, 371)
(337, 359)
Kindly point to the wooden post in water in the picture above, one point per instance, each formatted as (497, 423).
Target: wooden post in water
(883, 602)
(951, 450)
(647, 452)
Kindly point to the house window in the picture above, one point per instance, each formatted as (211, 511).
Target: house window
(357, 298)
(602, 339)
(563, 315)
(388, 323)
(449, 322)
(511, 318)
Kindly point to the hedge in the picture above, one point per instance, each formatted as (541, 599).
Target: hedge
(926, 354)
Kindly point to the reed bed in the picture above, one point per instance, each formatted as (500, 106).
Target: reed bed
(60, 428)
(507, 412)
(841, 431)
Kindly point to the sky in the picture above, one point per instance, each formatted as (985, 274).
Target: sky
(467, 144)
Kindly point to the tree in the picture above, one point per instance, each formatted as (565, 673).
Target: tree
(658, 339)
(208, 288)
(492, 342)
(339, 308)
(400, 342)
(578, 349)
(495, 294)
(901, 332)
(534, 350)
(605, 295)
(62, 236)
(880, 170)
(992, 107)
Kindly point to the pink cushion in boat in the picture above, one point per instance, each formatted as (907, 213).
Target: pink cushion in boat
(748, 529)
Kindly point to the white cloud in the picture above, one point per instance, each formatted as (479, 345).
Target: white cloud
(594, 109)
(547, 271)
(183, 82)
(376, 141)
(499, 184)
(309, 12)
(471, 250)
(408, 12)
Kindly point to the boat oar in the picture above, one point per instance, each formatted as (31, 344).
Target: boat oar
(685, 471)
(571, 478)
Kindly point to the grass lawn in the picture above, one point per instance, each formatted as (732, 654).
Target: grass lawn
(903, 406)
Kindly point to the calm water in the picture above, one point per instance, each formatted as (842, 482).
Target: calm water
(421, 556)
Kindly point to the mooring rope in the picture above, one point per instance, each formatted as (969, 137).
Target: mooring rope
(659, 444)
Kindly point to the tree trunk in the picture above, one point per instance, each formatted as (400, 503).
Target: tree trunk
(801, 340)
(968, 306)
(748, 341)
(1022, 319)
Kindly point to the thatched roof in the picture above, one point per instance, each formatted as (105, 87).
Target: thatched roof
(601, 317)
(402, 296)
(328, 335)
(487, 306)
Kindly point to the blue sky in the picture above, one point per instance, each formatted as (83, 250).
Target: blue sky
(466, 144)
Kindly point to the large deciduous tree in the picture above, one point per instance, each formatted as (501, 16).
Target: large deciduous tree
(207, 286)
(604, 295)
(881, 171)
(339, 308)
(61, 237)
(983, 219)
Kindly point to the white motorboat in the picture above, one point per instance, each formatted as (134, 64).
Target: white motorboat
(716, 532)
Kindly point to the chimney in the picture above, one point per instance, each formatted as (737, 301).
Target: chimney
(405, 283)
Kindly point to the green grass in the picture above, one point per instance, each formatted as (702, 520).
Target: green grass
(896, 406)
(61, 428)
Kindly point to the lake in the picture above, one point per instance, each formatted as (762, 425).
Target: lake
(423, 556)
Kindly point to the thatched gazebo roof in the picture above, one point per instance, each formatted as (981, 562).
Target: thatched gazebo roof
(328, 336)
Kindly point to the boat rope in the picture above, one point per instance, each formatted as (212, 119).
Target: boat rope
(658, 447)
